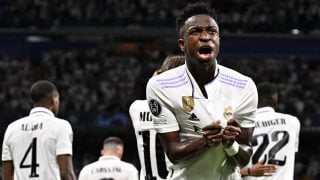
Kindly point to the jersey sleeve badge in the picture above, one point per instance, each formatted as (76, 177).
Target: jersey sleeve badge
(154, 107)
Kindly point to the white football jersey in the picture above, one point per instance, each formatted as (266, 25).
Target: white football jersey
(109, 168)
(177, 104)
(34, 142)
(151, 155)
(275, 139)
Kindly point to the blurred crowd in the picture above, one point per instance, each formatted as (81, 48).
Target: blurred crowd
(98, 85)
(236, 16)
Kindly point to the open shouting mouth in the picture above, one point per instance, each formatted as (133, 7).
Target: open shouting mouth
(205, 52)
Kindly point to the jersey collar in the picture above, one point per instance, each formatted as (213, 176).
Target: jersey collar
(42, 110)
(108, 157)
(196, 92)
(265, 109)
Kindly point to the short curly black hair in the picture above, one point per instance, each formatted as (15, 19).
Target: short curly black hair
(266, 93)
(194, 9)
(41, 89)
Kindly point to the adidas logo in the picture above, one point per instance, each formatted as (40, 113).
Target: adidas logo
(193, 117)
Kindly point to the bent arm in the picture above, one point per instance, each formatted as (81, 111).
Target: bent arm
(8, 170)
(66, 167)
(245, 149)
(178, 151)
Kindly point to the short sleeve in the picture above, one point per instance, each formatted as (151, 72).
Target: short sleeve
(64, 139)
(6, 153)
(161, 109)
(247, 106)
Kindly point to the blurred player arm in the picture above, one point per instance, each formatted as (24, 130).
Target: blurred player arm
(66, 167)
(258, 169)
(8, 170)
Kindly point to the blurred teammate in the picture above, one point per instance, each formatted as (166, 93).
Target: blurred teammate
(109, 166)
(150, 152)
(39, 146)
(275, 140)
(203, 112)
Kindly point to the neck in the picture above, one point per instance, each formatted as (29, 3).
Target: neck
(43, 104)
(202, 73)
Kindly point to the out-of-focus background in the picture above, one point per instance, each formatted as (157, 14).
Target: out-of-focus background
(101, 53)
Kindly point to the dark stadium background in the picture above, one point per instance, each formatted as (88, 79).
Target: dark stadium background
(101, 54)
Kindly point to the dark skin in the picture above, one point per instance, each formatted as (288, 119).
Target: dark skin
(64, 161)
(66, 167)
(202, 32)
(7, 170)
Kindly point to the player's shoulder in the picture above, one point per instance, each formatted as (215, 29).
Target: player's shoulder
(128, 165)
(291, 118)
(173, 77)
(60, 123)
(232, 77)
(88, 167)
(17, 123)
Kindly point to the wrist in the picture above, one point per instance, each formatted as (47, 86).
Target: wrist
(208, 143)
(233, 149)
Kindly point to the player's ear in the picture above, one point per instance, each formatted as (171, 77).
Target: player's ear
(181, 44)
(54, 98)
(51, 99)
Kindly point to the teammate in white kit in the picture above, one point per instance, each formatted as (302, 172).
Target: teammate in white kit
(151, 155)
(203, 112)
(275, 139)
(39, 146)
(109, 166)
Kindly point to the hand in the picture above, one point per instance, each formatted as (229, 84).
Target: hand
(230, 132)
(259, 169)
(212, 133)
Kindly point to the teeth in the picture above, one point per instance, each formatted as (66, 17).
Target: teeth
(205, 56)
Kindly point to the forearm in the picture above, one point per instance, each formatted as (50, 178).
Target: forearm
(242, 154)
(7, 177)
(66, 167)
(69, 175)
(243, 157)
(7, 170)
(185, 150)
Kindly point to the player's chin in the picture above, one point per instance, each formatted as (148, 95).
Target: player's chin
(206, 62)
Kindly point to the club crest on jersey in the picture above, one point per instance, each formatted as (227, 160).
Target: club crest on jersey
(187, 103)
(227, 113)
(155, 107)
